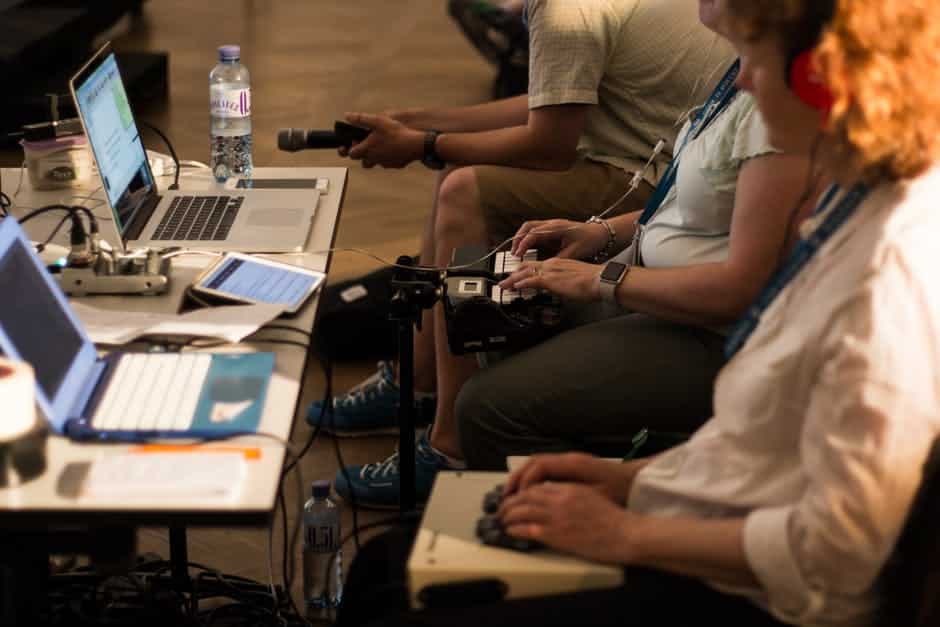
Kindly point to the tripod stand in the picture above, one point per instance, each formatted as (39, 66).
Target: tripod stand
(414, 291)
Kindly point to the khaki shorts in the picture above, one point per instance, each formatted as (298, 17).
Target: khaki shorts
(511, 196)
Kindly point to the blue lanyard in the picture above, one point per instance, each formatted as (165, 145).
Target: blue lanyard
(800, 256)
(719, 100)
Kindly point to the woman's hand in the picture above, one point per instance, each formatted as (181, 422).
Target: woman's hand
(390, 144)
(573, 518)
(566, 238)
(611, 479)
(570, 279)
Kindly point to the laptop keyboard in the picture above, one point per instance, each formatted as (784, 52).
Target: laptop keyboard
(198, 218)
(153, 391)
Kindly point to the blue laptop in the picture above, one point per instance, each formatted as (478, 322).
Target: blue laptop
(124, 396)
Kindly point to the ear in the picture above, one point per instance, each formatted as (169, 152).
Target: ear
(806, 83)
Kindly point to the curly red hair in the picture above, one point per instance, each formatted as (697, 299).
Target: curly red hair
(881, 61)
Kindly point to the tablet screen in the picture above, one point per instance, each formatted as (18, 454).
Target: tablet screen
(261, 282)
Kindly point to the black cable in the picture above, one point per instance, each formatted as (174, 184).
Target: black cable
(285, 327)
(353, 502)
(277, 341)
(169, 144)
(327, 413)
(287, 558)
(79, 234)
(290, 548)
(327, 367)
(42, 245)
(37, 212)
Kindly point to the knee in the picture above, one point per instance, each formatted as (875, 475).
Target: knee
(458, 208)
(480, 427)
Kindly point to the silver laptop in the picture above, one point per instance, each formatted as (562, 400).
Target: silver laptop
(247, 220)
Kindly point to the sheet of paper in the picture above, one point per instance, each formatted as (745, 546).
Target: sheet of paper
(232, 323)
(172, 474)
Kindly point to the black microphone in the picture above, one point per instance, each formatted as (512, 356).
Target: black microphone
(343, 134)
(294, 139)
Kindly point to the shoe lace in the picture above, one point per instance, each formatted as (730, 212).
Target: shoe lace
(390, 465)
(372, 385)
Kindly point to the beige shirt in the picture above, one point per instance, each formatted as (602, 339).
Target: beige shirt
(643, 63)
(824, 419)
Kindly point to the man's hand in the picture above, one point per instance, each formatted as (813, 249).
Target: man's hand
(569, 239)
(605, 477)
(570, 517)
(391, 144)
(570, 279)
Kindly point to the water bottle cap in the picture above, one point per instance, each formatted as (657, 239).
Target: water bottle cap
(321, 489)
(230, 53)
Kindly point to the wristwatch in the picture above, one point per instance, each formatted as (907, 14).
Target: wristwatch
(430, 158)
(611, 276)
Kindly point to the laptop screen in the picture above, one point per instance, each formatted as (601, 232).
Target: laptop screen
(38, 327)
(119, 152)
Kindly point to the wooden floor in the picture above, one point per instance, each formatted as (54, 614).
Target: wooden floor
(310, 61)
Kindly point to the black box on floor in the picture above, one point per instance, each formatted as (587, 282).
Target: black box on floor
(353, 319)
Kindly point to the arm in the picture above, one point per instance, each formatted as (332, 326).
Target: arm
(611, 479)
(768, 188)
(482, 117)
(547, 141)
(574, 240)
(870, 422)
(578, 519)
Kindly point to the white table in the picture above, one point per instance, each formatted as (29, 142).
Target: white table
(54, 501)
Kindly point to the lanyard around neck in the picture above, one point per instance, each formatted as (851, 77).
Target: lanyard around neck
(804, 251)
(721, 97)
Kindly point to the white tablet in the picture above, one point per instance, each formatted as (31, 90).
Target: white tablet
(248, 279)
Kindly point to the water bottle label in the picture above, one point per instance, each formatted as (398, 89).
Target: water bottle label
(229, 103)
(321, 539)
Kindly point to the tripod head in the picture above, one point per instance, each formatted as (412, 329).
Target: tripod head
(414, 291)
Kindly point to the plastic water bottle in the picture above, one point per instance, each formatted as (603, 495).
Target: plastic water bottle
(230, 116)
(323, 555)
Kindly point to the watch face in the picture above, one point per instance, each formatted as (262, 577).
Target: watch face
(612, 271)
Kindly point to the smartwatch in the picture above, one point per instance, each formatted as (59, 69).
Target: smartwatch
(430, 158)
(611, 276)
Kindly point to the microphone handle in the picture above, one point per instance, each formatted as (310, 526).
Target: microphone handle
(323, 139)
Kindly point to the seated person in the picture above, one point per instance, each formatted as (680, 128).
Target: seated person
(712, 243)
(607, 81)
(785, 506)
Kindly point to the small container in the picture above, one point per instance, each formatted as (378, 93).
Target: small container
(59, 163)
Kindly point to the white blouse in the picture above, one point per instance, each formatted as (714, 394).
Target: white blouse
(693, 224)
(824, 419)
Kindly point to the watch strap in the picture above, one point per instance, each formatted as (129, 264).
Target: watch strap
(608, 286)
(431, 158)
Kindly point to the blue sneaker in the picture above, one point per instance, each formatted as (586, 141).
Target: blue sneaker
(370, 408)
(376, 485)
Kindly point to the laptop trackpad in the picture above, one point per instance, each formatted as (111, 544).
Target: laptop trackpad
(275, 217)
